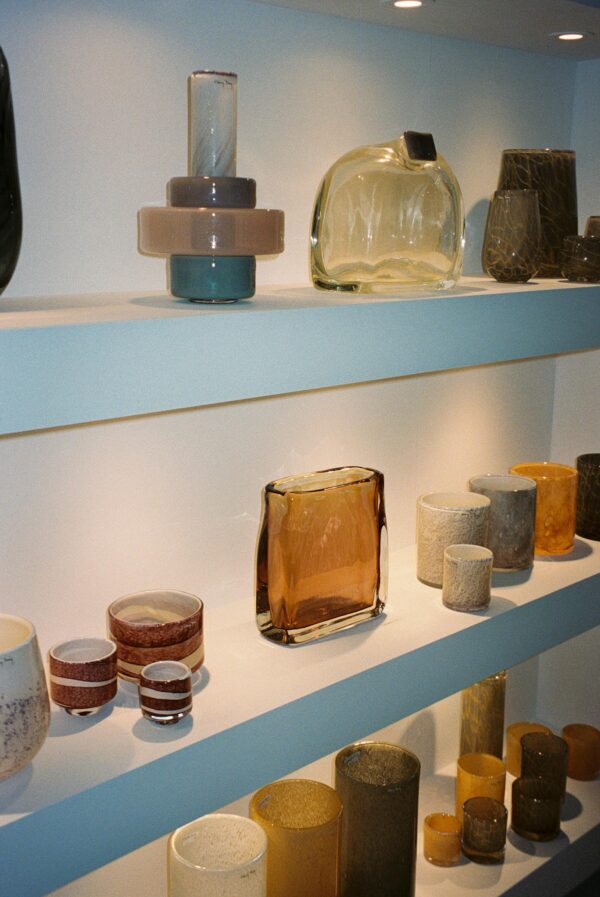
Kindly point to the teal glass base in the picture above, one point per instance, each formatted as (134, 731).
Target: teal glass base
(212, 278)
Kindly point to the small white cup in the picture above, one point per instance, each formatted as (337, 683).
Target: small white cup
(467, 577)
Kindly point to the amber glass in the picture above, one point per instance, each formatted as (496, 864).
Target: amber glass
(592, 226)
(479, 775)
(379, 787)
(552, 174)
(322, 553)
(535, 812)
(588, 496)
(441, 839)
(484, 830)
(482, 719)
(301, 820)
(545, 757)
(512, 242)
(584, 751)
(555, 505)
(514, 733)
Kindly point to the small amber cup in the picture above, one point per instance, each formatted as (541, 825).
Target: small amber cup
(584, 751)
(556, 505)
(441, 839)
(514, 733)
(479, 775)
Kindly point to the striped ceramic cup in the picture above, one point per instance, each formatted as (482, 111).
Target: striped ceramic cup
(165, 690)
(83, 674)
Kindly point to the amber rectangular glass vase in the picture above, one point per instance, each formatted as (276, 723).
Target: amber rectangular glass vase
(322, 553)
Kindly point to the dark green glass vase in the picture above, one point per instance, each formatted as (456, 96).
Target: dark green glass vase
(11, 221)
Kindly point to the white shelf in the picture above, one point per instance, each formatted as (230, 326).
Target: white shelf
(73, 359)
(269, 710)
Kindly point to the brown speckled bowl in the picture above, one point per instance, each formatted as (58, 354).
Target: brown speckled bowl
(156, 625)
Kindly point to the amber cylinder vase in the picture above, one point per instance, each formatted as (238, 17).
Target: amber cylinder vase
(378, 785)
(482, 719)
(322, 553)
(555, 505)
(584, 751)
(479, 775)
(301, 820)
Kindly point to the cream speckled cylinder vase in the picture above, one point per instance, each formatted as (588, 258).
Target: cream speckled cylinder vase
(444, 519)
(467, 577)
(24, 703)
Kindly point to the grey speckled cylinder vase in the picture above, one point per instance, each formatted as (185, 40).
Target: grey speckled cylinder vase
(511, 534)
(443, 519)
(467, 577)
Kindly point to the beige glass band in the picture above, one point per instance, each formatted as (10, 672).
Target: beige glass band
(188, 231)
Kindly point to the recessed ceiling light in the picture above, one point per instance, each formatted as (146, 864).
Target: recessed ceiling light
(408, 4)
(568, 35)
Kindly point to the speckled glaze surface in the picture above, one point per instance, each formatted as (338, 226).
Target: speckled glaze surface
(24, 703)
(511, 533)
(482, 716)
(165, 690)
(467, 577)
(588, 496)
(83, 674)
(443, 519)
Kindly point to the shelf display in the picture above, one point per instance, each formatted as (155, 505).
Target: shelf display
(444, 519)
(388, 216)
(479, 775)
(467, 576)
(322, 553)
(484, 830)
(584, 751)
(514, 733)
(219, 855)
(551, 173)
(11, 216)
(580, 259)
(301, 820)
(482, 716)
(545, 756)
(83, 674)
(165, 691)
(555, 504)
(588, 496)
(24, 703)
(210, 230)
(441, 839)
(512, 240)
(511, 532)
(156, 625)
(378, 784)
(535, 811)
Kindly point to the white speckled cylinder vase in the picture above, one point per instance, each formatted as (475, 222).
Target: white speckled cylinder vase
(218, 855)
(467, 578)
(24, 703)
(443, 519)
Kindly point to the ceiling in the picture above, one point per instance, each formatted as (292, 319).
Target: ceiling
(521, 24)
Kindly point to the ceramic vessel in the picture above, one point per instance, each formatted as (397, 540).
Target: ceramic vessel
(511, 532)
(388, 216)
(479, 775)
(165, 690)
(443, 519)
(441, 839)
(24, 704)
(514, 733)
(11, 218)
(156, 625)
(551, 173)
(83, 674)
(535, 812)
(484, 830)
(301, 820)
(587, 522)
(584, 751)
(378, 784)
(580, 259)
(322, 553)
(556, 501)
(467, 575)
(219, 855)
(592, 226)
(512, 241)
(482, 716)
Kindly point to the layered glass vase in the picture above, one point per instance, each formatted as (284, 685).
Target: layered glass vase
(322, 553)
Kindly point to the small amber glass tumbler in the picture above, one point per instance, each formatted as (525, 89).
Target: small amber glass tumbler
(535, 810)
(588, 496)
(301, 820)
(555, 505)
(322, 553)
(479, 775)
(584, 751)
(484, 830)
(441, 839)
(514, 733)
(545, 757)
(378, 784)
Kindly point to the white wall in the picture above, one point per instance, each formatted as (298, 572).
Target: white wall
(100, 100)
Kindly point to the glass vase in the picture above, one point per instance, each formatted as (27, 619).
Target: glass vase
(514, 733)
(479, 775)
(556, 503)
(587, 522)
(301, 820)
(552, 174)
(584, 751)
(378, 784)
(484, 830)
(444, 519)
(545, 756)
(11, 218)
(535, 812)
(482, 718)
(388, 216)
(512, 243)
(580, 259)
(511, 532)
(322, 553)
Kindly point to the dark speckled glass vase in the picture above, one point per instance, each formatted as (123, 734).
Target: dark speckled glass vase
(512, 242)
(11, 221)
(552, 174)
(588, 496)
(378, 785)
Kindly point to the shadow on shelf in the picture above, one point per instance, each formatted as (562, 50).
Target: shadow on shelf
(155, 733)
(544, 849)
